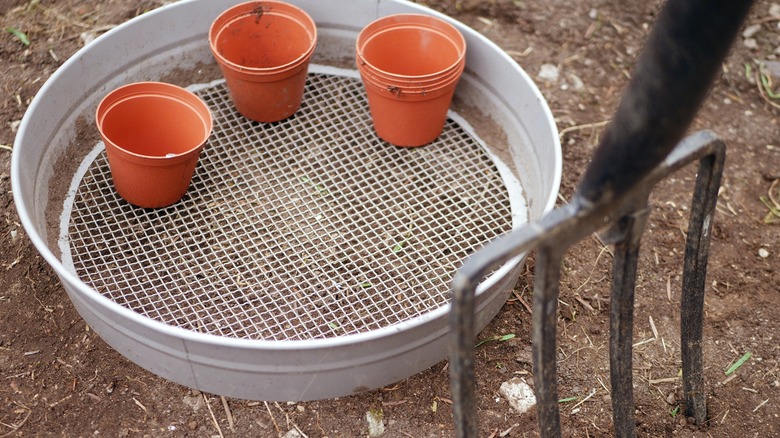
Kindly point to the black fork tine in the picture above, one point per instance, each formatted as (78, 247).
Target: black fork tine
(464, 408)
(621, 330)
(705, 198)
(545, 318)
(558, 226)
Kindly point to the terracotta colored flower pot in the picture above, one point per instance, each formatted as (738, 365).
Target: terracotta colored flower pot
(153, 133)
(263, 49)
(410, 65)
(408, 118)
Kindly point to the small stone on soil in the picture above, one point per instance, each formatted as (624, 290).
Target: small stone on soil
(376, 425)
(519, 394)
(195, 402)
(293, 433)
(549, 72)
(751, 31)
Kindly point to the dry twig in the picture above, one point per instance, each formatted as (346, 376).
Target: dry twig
(15, 427)
(582, 127)
(522, 301)
(760, 405)
(228, 414)
(273, 419)
(587, 397)
(213, 417)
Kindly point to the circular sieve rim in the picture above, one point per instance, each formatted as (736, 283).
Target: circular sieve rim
(23, 184)
(41, 135)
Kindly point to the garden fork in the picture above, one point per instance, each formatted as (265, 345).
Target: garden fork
(640, 147)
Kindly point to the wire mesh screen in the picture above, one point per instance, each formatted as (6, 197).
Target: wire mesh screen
(307, 228)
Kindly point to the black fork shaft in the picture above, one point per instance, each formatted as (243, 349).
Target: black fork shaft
(673, 74)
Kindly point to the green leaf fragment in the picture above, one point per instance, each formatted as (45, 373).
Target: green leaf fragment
(496, 338)
(18, 34)
(739, 363)
(768, 87)
(321, 190)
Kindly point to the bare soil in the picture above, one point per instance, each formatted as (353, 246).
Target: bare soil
(60, 379)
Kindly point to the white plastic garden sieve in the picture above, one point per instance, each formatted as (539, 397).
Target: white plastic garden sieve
(308, 259)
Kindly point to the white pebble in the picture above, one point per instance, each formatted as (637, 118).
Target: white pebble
(576, 82)
(293, 433)
(763, 253)
(549, 72)
(774, 10)
(376, 425)
(519, 394)
(87, 37)
(751, 31)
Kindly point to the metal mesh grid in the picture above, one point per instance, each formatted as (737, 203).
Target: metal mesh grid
(307, 228)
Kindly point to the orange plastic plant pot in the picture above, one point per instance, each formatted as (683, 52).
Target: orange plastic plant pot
(410, 65)
(263, 49)
(408, 119)
(153, 133)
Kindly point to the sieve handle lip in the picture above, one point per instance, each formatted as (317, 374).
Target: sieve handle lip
(670, 81)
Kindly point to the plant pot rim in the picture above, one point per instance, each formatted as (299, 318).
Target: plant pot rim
(419, 92)
(156, 90)
(454, 70)
(411, 83)
(241, 11)
(421, 21)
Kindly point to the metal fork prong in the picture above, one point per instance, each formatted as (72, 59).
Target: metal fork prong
(556, 226)
(552, 235)
(462, 379)
(545, 317)
(705, 198)
(624, 268)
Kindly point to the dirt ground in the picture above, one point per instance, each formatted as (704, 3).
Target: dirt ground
(60, 379)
